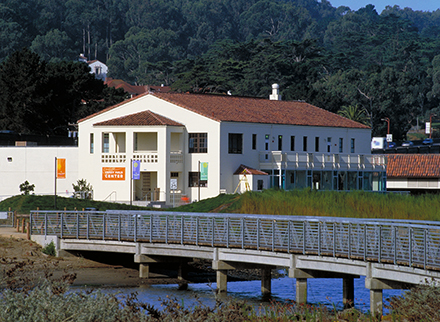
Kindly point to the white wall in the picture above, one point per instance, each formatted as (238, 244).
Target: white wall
(37, 166)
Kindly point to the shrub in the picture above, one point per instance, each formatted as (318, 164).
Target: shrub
(49, 249)
(26, 187)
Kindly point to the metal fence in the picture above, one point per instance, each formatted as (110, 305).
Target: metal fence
(407, 243)
(7, 218)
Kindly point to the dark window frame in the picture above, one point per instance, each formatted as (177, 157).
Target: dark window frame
(193, 180)
(305, 143)
(316, 143)
(197, 142)
(254, 141)
(235, 143)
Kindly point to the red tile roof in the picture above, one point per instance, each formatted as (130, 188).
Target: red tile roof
(141, 118)
(135, 89)
(225, 108)
(242, 169)
(413, 166)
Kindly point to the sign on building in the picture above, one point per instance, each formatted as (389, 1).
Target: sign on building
(61, 168)
(203, 171)
(113, 173)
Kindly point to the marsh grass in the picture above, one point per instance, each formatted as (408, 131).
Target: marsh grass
(354, 204)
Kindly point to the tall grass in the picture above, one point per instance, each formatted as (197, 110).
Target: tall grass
(355, 204)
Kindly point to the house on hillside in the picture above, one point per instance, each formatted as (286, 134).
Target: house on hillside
(97, 68)
(416, 173)
(135, 90)
(202, 145)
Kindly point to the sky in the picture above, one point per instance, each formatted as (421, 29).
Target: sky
(424, 5)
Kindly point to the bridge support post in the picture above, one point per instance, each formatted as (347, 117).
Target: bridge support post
(348, 292)
(376, 298)
(222, 281)
(144, 270)
(266, 280)
(301, 290)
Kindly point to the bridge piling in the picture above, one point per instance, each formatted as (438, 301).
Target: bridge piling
(222, 281)
(348, 292)
(266, 280)
(301, 290)
(144, 270)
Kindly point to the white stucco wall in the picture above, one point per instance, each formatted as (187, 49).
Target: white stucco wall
(37, 166)
(91, 165)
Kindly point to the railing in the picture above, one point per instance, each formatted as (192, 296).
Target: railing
(7, 218)
(304, 160)
(413, 244)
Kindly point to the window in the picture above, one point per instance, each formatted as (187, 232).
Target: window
(280, 142)
(174, 174)
(304, 143)
(235, 143)
(341, 141)
(329, 144)
(254, 141)
(92, 146)
(316, 144)
(352, 146)
(292, 143)
(194, 180)
(105, 143)
(198, 143)
(260, 185)
(266, 142)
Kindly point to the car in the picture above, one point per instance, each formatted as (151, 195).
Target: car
(407, 143)
(391, 145)
(428, 141)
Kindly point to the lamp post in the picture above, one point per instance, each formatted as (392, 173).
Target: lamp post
(387, 119)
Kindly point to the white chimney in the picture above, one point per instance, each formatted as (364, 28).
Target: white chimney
(275, 93)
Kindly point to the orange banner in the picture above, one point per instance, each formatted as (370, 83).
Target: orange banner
(112, 173)
(61, 168)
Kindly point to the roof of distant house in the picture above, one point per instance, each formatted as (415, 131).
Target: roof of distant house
(413, 166)
(141, 118)
(135, 89)
(242, 169)
(226, 108)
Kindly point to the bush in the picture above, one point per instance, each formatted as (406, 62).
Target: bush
(421, 303)
(49, 249)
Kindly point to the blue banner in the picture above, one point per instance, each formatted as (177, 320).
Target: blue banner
(136, 166)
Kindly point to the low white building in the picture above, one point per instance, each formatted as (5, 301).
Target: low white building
(177, 136)
(37, 166)
(198, 146)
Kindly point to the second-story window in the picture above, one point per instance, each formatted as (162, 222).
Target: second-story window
(280, 142)
(105, 142)
(198, 143)
(316, 144)
(305, 143)
(329, 144)
(235, 143)
(92, 144)
(292, 143)
(341, 143)
(254, 141)
(266, 142)
(352, 146)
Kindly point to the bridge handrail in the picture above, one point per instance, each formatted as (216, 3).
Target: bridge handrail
(402, 242)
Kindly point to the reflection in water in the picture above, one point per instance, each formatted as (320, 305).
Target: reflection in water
(319, 291)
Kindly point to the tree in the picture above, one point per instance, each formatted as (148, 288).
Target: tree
(83, 189)
(355, 113)
(26, 188)
(54, 46)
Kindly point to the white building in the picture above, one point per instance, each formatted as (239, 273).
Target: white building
(99, 69)
(174, 135)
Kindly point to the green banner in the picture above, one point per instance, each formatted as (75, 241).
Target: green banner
(204, 171)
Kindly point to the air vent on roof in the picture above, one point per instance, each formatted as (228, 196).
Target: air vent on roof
(275, 96)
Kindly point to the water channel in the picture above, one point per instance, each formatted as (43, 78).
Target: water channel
(319, 291)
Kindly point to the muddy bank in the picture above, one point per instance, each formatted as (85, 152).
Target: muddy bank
(23, 261)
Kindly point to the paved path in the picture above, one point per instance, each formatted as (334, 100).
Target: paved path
(11, 232)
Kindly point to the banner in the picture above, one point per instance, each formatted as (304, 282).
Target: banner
(136, 169)
(113, 173)
(203, 171)
(61, 168)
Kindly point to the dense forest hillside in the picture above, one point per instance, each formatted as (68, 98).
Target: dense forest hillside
(370, 65)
